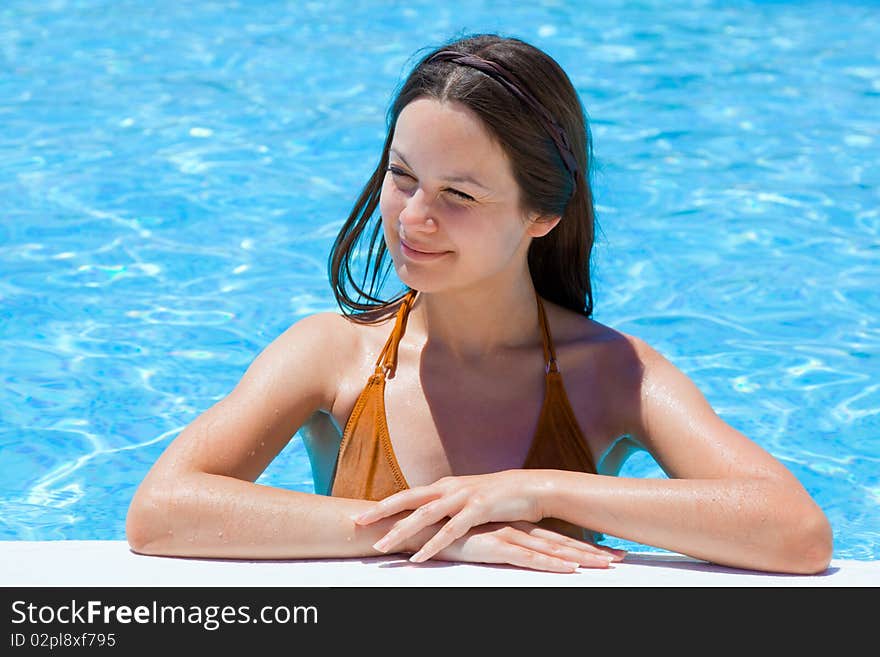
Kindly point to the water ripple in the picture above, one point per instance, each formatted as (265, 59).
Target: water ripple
(173, 178)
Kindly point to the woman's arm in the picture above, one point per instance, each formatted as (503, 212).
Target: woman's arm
(213, 516)
(727, 500)
(753, 523)
(208, 515)
(199, 498)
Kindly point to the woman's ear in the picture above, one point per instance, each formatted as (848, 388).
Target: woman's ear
(541, 225)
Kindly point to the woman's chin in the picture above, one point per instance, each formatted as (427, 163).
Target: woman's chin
(421, 280)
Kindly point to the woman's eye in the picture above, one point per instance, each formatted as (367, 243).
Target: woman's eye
(397, 172)
(462, 195)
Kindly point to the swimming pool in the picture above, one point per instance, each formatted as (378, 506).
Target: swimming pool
(173, 177)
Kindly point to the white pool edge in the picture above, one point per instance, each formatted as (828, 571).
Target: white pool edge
(112, 563)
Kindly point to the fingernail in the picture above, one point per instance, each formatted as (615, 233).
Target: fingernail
(381, 545)
(417, 557)
(572, 565)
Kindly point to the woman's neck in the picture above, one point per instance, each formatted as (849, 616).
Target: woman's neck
(469, 325)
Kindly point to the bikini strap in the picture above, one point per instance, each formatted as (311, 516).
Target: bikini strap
(549, 352)
(386, 364)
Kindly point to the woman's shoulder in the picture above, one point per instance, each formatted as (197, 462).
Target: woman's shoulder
(618, 357)
(342, 336)
(575, 328)
(632, 377)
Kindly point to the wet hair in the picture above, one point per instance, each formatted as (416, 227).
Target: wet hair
(559, 262)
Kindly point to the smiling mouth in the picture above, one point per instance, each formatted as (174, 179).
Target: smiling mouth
(422, 252)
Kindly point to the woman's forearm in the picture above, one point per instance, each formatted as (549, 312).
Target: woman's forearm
(761, 524)
(207, 515)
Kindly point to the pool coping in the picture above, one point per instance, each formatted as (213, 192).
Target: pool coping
(112, 563)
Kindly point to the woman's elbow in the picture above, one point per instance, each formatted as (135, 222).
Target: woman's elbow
(812, 543)
(141, 526)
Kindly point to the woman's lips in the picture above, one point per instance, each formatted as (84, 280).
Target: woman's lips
(413, 254)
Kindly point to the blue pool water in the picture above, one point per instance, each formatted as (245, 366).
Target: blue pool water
(172, 176)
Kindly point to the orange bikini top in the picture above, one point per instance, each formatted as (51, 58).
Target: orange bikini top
(366, 467)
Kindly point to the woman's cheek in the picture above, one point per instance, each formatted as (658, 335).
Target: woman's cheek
(389, 208)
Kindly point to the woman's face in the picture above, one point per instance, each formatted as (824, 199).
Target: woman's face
(449, 189)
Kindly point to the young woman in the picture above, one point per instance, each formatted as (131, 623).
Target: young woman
(485, 414)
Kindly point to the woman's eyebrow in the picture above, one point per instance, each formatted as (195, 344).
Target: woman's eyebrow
(459, 177)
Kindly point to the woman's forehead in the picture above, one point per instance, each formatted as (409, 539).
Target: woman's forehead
(445, 120)
(451, 141)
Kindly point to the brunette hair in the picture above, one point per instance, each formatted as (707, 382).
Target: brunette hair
(559, 262)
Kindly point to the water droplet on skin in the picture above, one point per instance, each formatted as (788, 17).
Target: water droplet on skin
(220, 534)
(262, 443)
(253, 452)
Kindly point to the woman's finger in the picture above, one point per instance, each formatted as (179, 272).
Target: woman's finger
(617, 555)
(406, 499)
(422, 517)
(564, 550)
(459, 525)
(517, 555)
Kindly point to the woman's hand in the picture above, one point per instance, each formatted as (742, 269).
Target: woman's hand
(526, 545)
(468, 501)
(506, 496)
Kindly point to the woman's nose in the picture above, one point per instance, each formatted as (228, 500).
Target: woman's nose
(417, 212)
